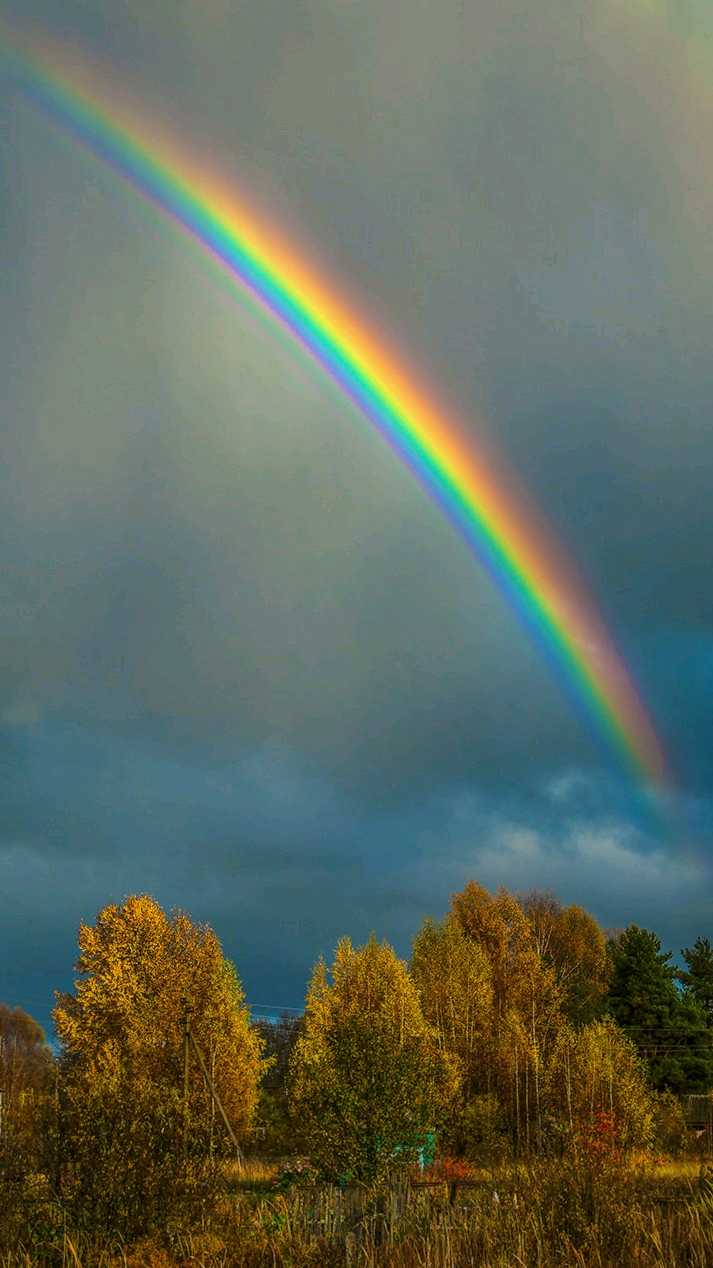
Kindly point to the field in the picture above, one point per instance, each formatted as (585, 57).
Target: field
(547, 1140)
(546, 1213)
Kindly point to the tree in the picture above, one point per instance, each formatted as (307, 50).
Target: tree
(126, 1126)
(526, 1004)
(139, 967)
(668, 1030)
(25, 1059)
(597, 1070)
(498, 925)
(697, 978)
(26, 1115)
(454, 981)
(571, 942)
(278, 1131)
(368, 1078)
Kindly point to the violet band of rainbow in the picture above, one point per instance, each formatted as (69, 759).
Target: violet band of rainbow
(520, 555)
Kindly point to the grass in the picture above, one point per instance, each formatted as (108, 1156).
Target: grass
(543, 1214)
(253, 1175)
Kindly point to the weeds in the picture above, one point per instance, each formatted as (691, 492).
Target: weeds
(546, 1214)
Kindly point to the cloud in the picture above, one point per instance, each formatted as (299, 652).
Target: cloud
(245, 663)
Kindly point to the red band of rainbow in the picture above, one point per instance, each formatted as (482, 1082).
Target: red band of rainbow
(504, 533)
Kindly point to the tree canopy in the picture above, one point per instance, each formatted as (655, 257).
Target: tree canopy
(139, 968)
(697, 977)
(669, 1029)
(571, 942)
(369, 1078)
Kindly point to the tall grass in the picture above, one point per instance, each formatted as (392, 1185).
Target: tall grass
(540, 1215)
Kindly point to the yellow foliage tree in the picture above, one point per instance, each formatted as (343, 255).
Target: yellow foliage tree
(526, 1005)
(27, 1081)
(455, 984)
(368, 1077)
(498, 925)
(596, 1070)
(25, 1059)
(571, 942)
(123, 1025)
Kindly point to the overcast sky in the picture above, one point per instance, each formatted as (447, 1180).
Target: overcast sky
(245, 664)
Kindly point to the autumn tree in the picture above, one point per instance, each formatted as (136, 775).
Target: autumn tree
(499, 926)
(597, 1070)
(526, 1004)
(453, 977)
(368, 1078)
(121, 1033)
(571, 942)
(139, 967)
(25, 1059)
(26, 1112)
(455, 984)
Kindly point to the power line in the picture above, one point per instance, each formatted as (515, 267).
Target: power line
(661, 1030)
(275, 1008)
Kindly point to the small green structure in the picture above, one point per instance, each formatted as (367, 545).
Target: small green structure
(424, 1147)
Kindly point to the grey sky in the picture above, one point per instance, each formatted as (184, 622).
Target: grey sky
(245, 663)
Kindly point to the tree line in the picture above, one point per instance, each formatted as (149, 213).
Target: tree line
(515, 1026)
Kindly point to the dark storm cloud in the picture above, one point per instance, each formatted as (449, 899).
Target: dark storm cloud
(245, 663)
(224, 548)
(282, 864)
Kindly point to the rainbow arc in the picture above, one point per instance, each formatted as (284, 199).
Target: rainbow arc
(472, 489)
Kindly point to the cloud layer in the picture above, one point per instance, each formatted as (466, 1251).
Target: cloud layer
(244, 661)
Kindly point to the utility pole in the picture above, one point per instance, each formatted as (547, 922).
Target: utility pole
(187, 1010)
(188, 1039)
(216, 1099)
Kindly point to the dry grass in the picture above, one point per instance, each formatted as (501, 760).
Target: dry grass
(252, 1171)
(544, 1215)
(675, 1168)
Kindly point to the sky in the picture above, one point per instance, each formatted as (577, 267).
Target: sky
(245, 664)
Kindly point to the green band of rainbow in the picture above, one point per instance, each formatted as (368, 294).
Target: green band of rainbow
(505, 534)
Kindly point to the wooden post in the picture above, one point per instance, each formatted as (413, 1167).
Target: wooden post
(186, 1049)
(214, 1094)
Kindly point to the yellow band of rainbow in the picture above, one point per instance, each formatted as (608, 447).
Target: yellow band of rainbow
(503, 531)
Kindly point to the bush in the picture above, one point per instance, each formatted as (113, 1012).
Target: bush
(123, 1172)
(669, 1125)
(484, 1133)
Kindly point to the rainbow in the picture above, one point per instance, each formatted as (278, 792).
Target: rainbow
(472, 489)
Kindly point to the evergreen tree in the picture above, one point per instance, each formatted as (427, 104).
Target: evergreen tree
(668, 1029)
(698, 979)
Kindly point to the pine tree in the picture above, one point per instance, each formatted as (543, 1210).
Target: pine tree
(698, 979)
(668, 1029)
